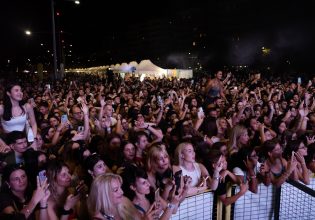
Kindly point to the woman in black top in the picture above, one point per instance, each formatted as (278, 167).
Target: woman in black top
(18, 197)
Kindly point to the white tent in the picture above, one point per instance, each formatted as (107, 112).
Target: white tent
(150, 70)
(144, 69)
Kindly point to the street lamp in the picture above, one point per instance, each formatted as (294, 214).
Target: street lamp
(54, 37)
(54, 34)
(28, 32)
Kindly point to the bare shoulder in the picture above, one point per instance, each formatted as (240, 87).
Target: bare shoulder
(27, 106)
(1, 109)
(176, 168)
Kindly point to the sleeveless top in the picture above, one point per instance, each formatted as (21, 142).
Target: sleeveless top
(14, 124)
(277, 175)
(214, 92)
(195, 174)
(140, 208)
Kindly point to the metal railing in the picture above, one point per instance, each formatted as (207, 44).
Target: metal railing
(297, 201)
(199, 206)
(293, 200)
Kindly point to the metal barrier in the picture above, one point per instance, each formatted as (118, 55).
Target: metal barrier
(293, 200)
(196, 207)
(297, 201)
(253, 206)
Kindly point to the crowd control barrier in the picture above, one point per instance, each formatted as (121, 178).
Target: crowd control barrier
(293, 200)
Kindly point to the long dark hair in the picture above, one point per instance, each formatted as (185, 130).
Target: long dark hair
(7, 105)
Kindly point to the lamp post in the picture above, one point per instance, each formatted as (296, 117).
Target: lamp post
(55, 74)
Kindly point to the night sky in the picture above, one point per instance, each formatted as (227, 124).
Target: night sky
(170, 33)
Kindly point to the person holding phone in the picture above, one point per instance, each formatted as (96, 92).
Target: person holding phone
(185, 162)
(61, 203)
(299, 149)
(277, 169)
(17, 195)
(159, 170)
(137, 188)
(246, 167)
(218, 162)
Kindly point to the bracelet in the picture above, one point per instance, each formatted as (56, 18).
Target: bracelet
(253, 177)
(148, 126)
(45, 207)
(66, 212)
(216, 177)
(170, 205)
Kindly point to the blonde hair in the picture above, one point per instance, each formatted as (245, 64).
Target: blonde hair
(153, 155)
(236, 133)
(99, 198)
(178, 160)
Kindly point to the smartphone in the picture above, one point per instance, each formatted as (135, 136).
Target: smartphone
(215, 139)
(299, 80)
(64, 118)
(80, 128)
(235, 87)
(78, 187)
(177, 177)
(157, 195)
(42, 176)
(160, 101)
(48, 86)
(200, 112)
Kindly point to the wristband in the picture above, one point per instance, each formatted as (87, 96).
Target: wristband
(170, 206)
(216, 177)
(66, 212)
(45, 207)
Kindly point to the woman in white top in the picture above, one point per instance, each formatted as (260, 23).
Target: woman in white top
(185, 161)
(14, 113)
(246, 167)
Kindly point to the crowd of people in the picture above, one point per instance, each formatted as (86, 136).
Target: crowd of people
(93, 147)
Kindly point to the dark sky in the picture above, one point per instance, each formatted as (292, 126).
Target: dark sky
(103, 30)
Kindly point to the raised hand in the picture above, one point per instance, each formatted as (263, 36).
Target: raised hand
(4, 148)
(300, 158)
(40, 192)
(219, 165)
(292, 163)
(85, 108)
(310, 140)
(151, 213)
(249, 164)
